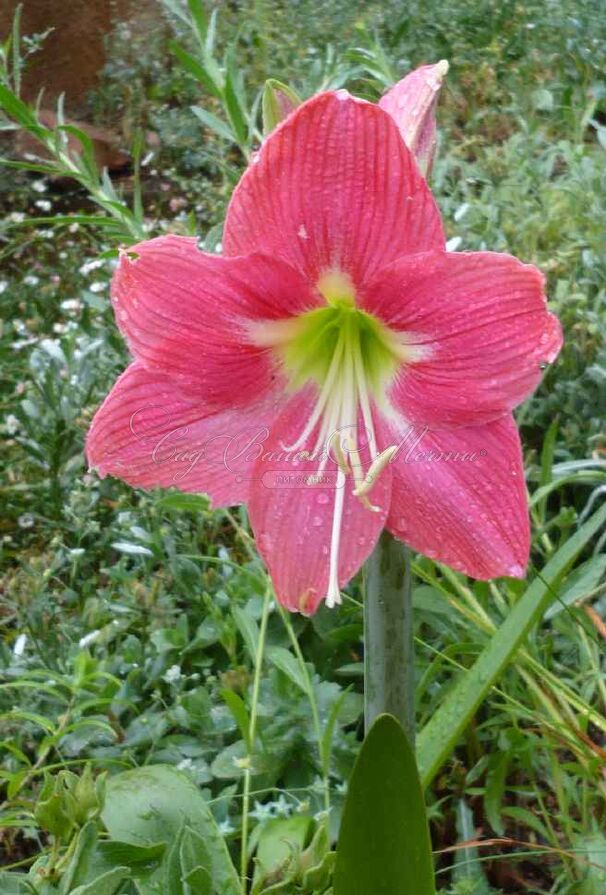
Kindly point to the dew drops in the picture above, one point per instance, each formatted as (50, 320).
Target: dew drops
(264, 541)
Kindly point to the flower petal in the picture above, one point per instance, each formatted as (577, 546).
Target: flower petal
(459, 497)
(148, 434)
(333, 187)
(478, 330)
(186, 314)
(293, 519)
(412, 105)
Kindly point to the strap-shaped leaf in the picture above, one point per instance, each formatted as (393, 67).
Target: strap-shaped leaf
(384, 846)
(439, 736)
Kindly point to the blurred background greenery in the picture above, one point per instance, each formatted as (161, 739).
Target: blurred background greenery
(126, 616)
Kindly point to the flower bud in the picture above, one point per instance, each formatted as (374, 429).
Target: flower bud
(278, 102)
(412, 103)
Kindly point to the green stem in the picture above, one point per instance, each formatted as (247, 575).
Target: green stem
(252, 733)
(388, 636)
(315, 715)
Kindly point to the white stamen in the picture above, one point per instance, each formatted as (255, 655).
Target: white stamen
(333, 595)
(365, 404)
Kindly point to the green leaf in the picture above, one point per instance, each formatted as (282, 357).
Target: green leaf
(280, 840)
(194, 863)
(591, 857)
(439, 736)
(151, 804)
(236, 706)
(286, 662)
(248, 628)
(234, 104)
(108, 884)
(78, 869)
(191, 503)
(199, 18)
(384, 846)
(582, 580)
(214, 123)
(15, 884)
(329, 730)
(197, 69)
(17, 109)
(467, 868)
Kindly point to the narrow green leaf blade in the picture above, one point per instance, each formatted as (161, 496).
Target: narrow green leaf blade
(439, 736)
(288, 665)
(384, 844)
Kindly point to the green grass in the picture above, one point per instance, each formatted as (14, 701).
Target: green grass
(141, 612)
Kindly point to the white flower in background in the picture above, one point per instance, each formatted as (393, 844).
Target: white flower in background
(261, 812)
(19, 647)
(453, 244)
(3, 286)
(172, 675)
(43, 204)
(11, 424)
(225, 827)
(88, 639)
(40, 186)
(26, 520)
(98, 286)
(88, 266)
(16, 217)
(70, 304)
(31, 280)
(281, 807)
(186, 765)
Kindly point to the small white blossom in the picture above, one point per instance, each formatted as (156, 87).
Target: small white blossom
(172, 675)
(98, 286)
(26, 520)
(11, 424)
(453, 244)
(261, 812)
(88, 639)
(39, 186)
(43, 204)
(3, 286)
(93, 264)
(186, 765)
(19, 647)
(70, 304)
(31, 280)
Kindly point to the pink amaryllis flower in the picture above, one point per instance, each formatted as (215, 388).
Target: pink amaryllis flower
(336, 369)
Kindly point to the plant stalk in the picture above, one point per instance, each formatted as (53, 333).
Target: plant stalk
(389, 684)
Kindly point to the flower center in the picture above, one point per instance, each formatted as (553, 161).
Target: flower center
(351, 357)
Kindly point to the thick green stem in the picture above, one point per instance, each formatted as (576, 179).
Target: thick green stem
(388, 636)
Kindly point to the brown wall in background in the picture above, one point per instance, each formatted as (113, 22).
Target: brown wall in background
(74, 54)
